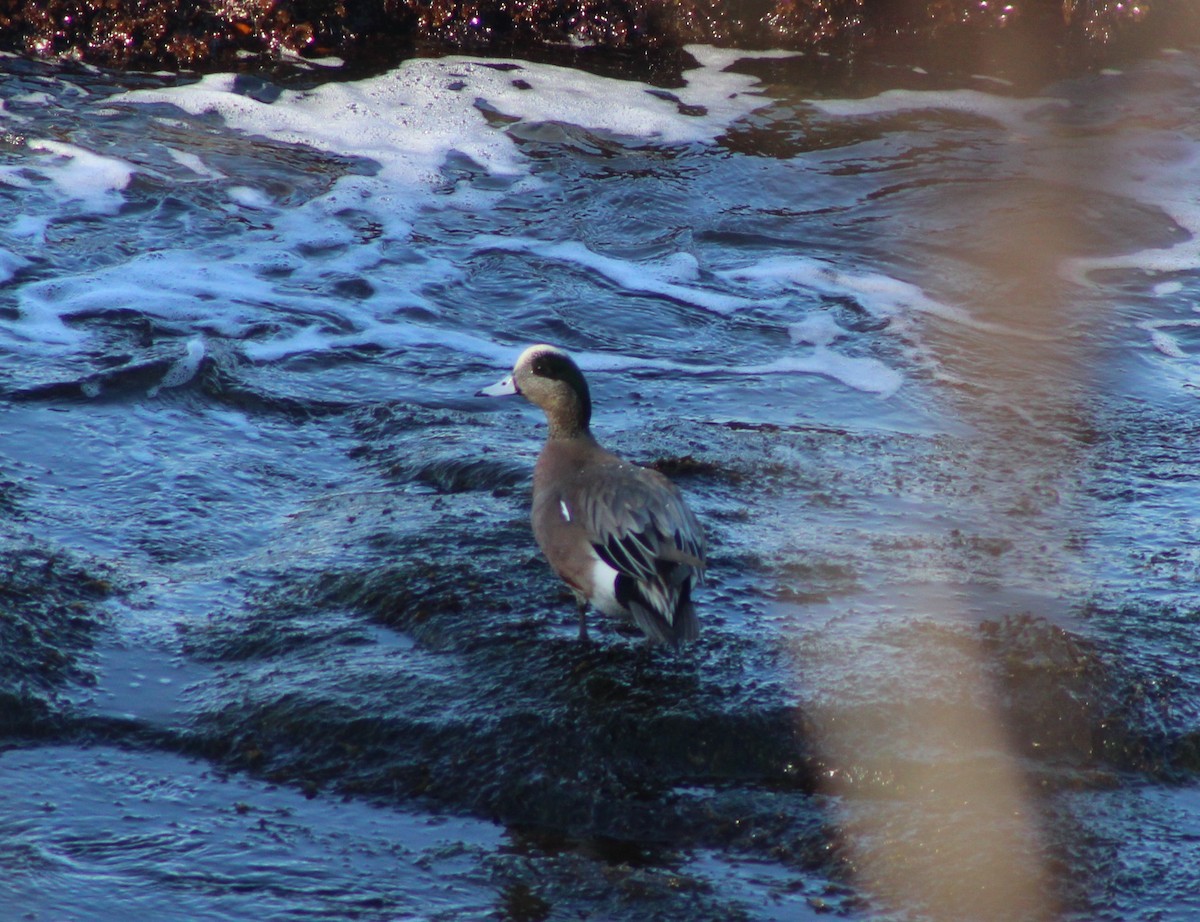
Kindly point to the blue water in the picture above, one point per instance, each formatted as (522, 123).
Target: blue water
(923, 363)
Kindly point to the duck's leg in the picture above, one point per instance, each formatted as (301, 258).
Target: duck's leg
(583, 631)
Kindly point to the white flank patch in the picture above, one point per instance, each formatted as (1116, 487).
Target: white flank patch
(604, 589)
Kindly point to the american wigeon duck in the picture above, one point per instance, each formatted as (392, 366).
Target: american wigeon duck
(618, 534)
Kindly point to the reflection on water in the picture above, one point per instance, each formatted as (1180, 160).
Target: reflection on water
(921, 361)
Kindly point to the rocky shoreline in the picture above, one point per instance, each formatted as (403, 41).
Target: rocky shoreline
(1063, 35)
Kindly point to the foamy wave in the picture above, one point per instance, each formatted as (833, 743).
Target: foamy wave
(409, 122)
(171, 285)
(880, 295)
(92, 180)
(9, 264)
(260, 291)
(412, 119)
(1163, 341)
(382, 333)
(183, 369)
(1182, 257)
(858, 373)
(1001, 109)
(1159, 169)
(659, 279)
(194, 163)
(218, 290)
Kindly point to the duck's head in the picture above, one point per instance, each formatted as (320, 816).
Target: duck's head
(549, 378)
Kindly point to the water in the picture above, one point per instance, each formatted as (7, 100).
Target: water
(920, 353)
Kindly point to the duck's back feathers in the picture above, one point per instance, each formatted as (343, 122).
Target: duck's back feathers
(637, 524)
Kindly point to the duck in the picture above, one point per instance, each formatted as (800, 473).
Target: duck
(619, 535)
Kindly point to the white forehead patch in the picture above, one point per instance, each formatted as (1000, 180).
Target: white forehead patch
(526, 357)
(562, 504)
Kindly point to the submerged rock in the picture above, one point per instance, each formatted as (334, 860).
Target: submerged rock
(155, 33)
(48, 620)
(485, 712)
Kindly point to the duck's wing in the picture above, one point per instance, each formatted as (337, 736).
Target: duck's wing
(638, 524)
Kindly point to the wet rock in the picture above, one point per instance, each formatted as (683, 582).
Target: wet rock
(148, 34)
(49, 616)
(452, 674)
(689, 466)
(588, 763)
(550, 876)
(132, 379)
(1074, 707)
(452, 463)
(10, 494)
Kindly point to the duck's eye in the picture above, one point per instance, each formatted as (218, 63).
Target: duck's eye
(553, 366)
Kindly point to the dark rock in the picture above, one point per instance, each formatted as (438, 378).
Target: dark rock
(48, 620)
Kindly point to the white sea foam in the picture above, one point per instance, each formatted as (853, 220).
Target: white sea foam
(1165, 342)
(92, 180)
(387, 334)
(1159, 169)
(409, 122)
(880, 295)
(9, 264)
(887, 297)
(194, 163)
(1004, 110)
(1163, 289)
(413, 118)
(636, 277)
(860, 373)
(28, 226)
(183, 369)
(171, 284)
(816, 330)
(32, 98)
(249, 198)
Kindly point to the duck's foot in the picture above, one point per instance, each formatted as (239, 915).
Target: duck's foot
(583, 631)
